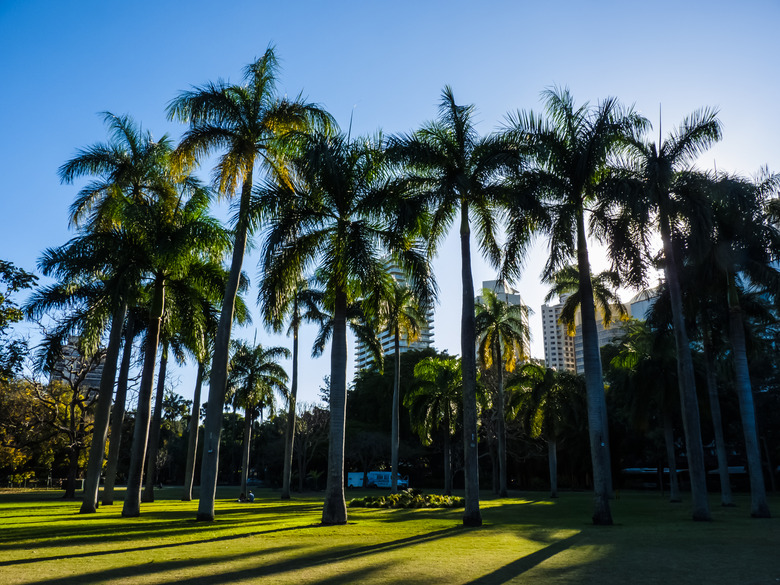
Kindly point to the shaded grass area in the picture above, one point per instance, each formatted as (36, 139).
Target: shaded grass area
(525, 539)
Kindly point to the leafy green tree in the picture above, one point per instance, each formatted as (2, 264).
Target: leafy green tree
(433, 404)
(335, 217)
(459, 173)
(568, 152)
(503, 338)
(12, 350)
(254, 376)
(548, 402)
(251, 124)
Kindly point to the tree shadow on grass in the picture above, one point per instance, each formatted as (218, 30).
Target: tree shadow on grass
(516, 568)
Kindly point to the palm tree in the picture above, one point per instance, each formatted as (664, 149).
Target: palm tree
(301, 304)
(433, 404)
(459, 173)
(252, 124)
(253, 377)
(745, 246)
(400, 314)
(334, 218)
(503, 338)
(663, 184)
(548, 401)
(568, 154)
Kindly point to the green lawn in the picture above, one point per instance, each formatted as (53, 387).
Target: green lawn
(525, 539)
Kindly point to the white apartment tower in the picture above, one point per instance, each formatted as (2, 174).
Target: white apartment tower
(508, 295)
(558, 345)
(363, 357)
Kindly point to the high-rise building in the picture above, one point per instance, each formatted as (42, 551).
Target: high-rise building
(72, 367)
(507, 294)
(558, 344)
(363, 356)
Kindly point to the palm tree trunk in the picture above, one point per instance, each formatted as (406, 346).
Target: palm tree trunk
(471, 515)
(726, 498)
(334, 510)
(447, 454)
(154, 431)
(219, 364)
(502, 480)
(132, 503)
(674, 485)
(103, 413)
(552, 460)
(192, 436)
(594, 385)
(759, 508)
(685, 375)
(394, 425)
(118, 413)
(289, 441)
(247, 446)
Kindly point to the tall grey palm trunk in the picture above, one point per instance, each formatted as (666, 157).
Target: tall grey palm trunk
(685, 375)
(246, 449)
(447, 453)
(598, 430)
(154, 430)
(132, 503)
(552, 462)
(471, 515)
(334, 510)
(502, 481)
(219, 365)
(726, 499)
(394, 425)
(192, 436)
(103, 413)
(759, 508)
(674, 485)
(118, 413)
(289, 440)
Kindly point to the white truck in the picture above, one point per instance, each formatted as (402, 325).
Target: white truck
(379, 479)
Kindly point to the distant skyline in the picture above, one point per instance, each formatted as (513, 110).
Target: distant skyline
(382, 65)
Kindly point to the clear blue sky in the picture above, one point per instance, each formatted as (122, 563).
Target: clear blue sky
(384, 62)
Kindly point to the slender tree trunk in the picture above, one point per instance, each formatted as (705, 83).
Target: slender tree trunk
(674, 485)
(301, 469)
(118, 413)
(219, 364)
(132, 503)
(726, 498)
(502, 480)
(103, 413)
(685, 375)
(192, 436)
(73, 470)
(759, 508)
(246, 449)
(394, 426)
(447, 454)
(289, 441)
(471, 515)
(334, 510)
(154, 431)
(594, 386)
(552, 460)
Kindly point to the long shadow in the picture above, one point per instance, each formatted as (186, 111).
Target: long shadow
(523, 564)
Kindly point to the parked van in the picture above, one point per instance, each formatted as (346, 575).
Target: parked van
(376, 479)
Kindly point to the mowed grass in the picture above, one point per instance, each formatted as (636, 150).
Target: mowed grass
(525, 539)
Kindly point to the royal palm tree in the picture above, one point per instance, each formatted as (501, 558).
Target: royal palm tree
(664, 188)
(568, 152)
(548, 402)
(251, 124)
(254, 376)
(433, 404)
(459, 173)
(503, 338)
(334, 218)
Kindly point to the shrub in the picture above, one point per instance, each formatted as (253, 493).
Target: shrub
(412, 498)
